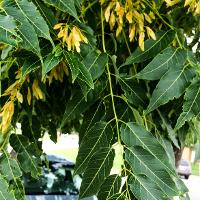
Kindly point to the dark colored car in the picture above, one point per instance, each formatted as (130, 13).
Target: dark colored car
(55, 183)
(184, 168)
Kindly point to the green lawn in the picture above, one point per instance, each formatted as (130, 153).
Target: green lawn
(68, 153)
(195, 169)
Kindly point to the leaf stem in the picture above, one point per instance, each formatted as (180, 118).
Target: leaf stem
(109, 77)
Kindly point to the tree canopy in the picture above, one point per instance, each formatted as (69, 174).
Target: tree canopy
(119, 72)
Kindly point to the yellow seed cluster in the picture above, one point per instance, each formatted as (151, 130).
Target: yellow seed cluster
(193, 5)
(70, 36)
(7, 111)
(58, 72)
(37, 92)
(6, 115)
(116, 14)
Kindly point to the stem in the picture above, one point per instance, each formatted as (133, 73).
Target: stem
(129, 51)
(109, 78)
(158, 14)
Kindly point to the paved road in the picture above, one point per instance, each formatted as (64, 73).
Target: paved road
(193, 184)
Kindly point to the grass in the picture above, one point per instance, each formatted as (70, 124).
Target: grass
(68, 153)
(195, 169)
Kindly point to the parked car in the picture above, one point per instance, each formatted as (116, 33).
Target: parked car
(55, 183)
(184, 168)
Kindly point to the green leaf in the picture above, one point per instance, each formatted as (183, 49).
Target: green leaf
(91, 116)
(27, 154)
(8, 33)
(77, 103)
(78, 3)
(143, 162)
(99, 136)
(50, 62)
(5, 194)
(95, 63)
(136, 135)
(133, 91)
(170, 131)
(152, 48)
(110, 187)
(118, 196)
(65, 6)
(26, 31)
(30, 65)
(97, 170)
(169, 58)
(172, 85)
(144, 188)
(10, 169)
(78, 69)
(167, 145)
(30, 12)
(47, 14)
(191, 105)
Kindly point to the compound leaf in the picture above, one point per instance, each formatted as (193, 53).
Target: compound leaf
(100, 135)
(169, 58)
(172, 85)
(191, 105)
(97, 170)
(8, 34)
(110, 187)
(65, 6)
(152, 48)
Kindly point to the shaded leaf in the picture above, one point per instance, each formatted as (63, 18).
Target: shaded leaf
(133, 91)
(50, 62)
(118, 196)
(26, 31)
(110, 187)
(143, 162)
(30, 12)
(27, 154)
(77, 104)
(10, 169)
(47, 14)
(172, 85)
(8, 33)
(170, 130)
(65, 6)
(191, 105)
(95, 63)
(30, 65)
(97, 170)
(169, 58)
(99, 136)
(167, 145)
(4, 192)
(136, 135)
(152, 48)
(143, 188)
(78, 69)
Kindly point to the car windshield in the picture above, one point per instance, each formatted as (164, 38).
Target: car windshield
(184, 163)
